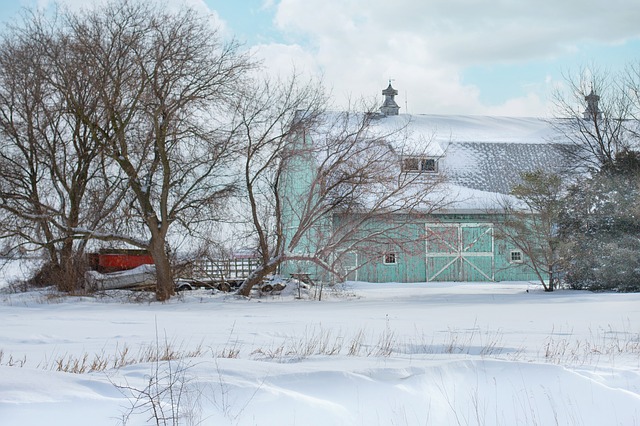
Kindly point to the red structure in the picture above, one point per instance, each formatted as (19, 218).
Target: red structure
(112, 260)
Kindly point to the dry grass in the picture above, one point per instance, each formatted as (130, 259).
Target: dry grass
(325, 342)
(602, 343)
(558, 348)
(123, 356)
(11, 361)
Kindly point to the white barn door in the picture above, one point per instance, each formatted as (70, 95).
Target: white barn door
(460, 252)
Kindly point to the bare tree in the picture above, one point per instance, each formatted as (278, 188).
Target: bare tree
(599, 219)
(116, 122)
(267, 118)
(592, 114)
(50, 167)
(165, 80)
(531, 224)
(632, 90)
(324, 179)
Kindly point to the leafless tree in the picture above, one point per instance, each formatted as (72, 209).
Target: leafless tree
(267, 118)
(592, 113)
(632, 90)
(165, 81)
(599, 116)
(116, 128)
(318, 181)
(51, 178)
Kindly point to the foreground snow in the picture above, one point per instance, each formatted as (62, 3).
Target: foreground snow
(367, 354)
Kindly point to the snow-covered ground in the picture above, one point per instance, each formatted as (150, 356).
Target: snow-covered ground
(367, 354)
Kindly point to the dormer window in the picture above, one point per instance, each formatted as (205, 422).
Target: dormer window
(419, 165)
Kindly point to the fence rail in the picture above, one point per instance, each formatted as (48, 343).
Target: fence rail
(224, 269)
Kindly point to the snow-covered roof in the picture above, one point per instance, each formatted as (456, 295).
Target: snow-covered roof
(496, 167)
(444, 129)
(482, 157)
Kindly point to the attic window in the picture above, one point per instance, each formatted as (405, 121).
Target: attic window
(515, 256)
(419, 165)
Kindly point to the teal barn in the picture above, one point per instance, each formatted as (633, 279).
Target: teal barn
(468, 164)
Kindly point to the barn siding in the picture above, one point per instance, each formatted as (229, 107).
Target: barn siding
(414, 265)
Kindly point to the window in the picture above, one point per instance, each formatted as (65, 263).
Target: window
(428, 165)
(419, 165)
(390, 259)
(515, 256)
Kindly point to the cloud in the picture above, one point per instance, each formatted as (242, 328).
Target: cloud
(425, 45)
(283, 59)
(529, 105)
(464, 31)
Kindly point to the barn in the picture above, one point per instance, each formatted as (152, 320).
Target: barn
(478, 160)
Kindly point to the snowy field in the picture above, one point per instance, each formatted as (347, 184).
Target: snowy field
(390, 354)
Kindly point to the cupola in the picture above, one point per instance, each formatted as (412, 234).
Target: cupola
(389, 107)
(592, 112)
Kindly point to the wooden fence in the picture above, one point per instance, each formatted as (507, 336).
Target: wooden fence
(224, 269)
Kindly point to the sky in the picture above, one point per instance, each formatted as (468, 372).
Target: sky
(477, 57)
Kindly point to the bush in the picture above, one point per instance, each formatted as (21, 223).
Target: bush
(600, 229)
(67, 280)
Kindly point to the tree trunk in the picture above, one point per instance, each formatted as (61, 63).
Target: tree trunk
(255, 278)
(165, 287)
(552, 279)
(68, 272)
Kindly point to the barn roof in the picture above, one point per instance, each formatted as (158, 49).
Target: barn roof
(480, 157)
(496, 167)
(483, 157)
